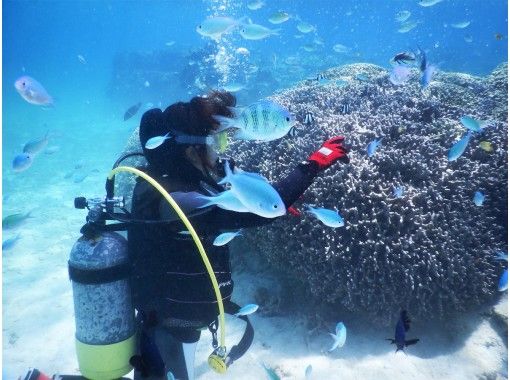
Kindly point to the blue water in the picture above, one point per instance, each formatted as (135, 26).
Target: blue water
(43, 39)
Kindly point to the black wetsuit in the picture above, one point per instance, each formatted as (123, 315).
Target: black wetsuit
(169, 279)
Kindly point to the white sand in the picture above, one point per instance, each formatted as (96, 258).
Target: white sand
(38, 324)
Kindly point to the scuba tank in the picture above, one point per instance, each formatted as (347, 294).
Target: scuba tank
(104, 314)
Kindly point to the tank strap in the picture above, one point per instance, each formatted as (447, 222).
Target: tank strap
(99, 276)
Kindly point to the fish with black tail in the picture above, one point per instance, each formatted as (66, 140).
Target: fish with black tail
(401, 329)
(308, 119)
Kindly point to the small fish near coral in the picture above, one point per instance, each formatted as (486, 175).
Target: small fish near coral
(339, 336)
(330, 218)
(402, 327)
(247, 310)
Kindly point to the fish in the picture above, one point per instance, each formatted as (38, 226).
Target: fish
(330, 218)
(308, 372)
(80, 177)
(262, 121)
(81, 58)
(429, 3)
(257, 32)
(400, 75)
(15, 220)
(22, 162)
(305, 27)
(226, 200)
(459, 147)
(247, 310)
(221, 141)
(322, 79)
(242, 51)
(233, 87)
(402, 16)
(501, 256)
(427, 75)
(215, 27)
(279, 17)
(498, 36)
(407, 26)
(403, 58)
(372, 147)
(156, 141)
(308, 119)
(479, 198)
(402, 327)
(339, 48)
(461, 24)
(474, 124)
(169, 43)
(503, 281)
(32, 91)
(362, 77)
(468, 38)
(271, 374)
(398, 192)
(310, 47)
(255, 4)
(9, 243)
(345, 109)
(225, 238)
(35, 146)
(131, 111)
(292, 132)
(52, 149)
(339, 336)
(255, 193)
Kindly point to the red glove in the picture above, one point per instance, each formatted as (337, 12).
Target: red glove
(330, 152)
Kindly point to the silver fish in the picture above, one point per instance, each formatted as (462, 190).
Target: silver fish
(262, 121)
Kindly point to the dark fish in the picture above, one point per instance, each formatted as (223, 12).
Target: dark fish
(345, 109)
(309, 119)
(292, 132)
(401, 328)
(423, 62)
(404, 58)
(131, 111)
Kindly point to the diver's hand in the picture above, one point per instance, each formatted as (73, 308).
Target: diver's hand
(330, 152)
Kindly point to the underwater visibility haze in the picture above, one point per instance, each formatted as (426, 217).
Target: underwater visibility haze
(400, 246)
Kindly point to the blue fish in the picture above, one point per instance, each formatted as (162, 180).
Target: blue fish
(398, 192)
(426, 76)
(271, 374)
(402, 327)
(308, 372)
(501, 256)
(459, 147)
(471, 124)
(247, 310)
(9, 243)
(22, 162)
(503, 281)
(330, 218)
(225, 238)
(339, 336)
(479, 198)
(372, 147)
(427, 70)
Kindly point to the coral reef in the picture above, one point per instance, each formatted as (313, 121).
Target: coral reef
(429, 251)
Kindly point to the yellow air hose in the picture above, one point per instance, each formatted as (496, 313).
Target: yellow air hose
(194, 235)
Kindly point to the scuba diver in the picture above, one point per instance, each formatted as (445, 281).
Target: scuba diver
(171, 289)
